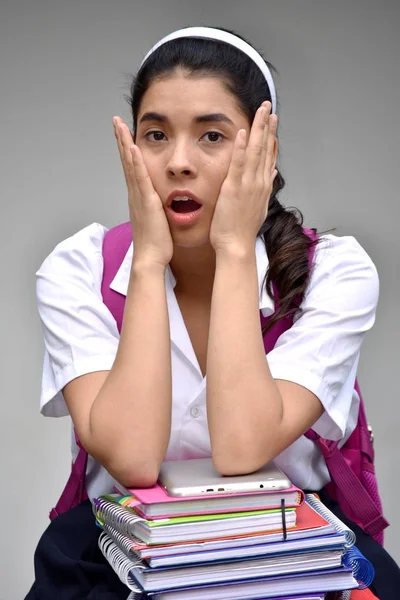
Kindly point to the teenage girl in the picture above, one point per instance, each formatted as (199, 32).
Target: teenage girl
(188, 376)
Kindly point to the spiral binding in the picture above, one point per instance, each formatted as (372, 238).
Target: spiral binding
(332, 519)
(119, 562)
(120, 518)
(346, 595)
(123, 542)
(363, 570)
(136, 596)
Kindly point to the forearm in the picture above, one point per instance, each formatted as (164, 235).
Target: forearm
(132, 412)
(244, 406)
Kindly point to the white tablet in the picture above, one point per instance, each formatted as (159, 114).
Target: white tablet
(197, 477)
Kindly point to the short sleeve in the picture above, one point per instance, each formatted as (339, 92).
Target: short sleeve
(80, 334)
(321, 350)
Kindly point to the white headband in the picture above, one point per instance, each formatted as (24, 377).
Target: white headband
(223, 36)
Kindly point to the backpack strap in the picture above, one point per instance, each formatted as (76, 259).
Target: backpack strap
(285, 323)
(75, 489)
(116, 244)
(351, 489)
(349, 485)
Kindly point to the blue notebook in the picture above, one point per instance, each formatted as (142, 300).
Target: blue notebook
(160, 578)
(327, 542)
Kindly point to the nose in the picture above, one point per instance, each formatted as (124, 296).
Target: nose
(181, 159)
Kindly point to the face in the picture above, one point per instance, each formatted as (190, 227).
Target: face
(186, 128)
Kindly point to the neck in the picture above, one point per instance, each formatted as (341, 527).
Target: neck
(194, 270)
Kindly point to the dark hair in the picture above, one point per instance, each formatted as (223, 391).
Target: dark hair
(285, 242)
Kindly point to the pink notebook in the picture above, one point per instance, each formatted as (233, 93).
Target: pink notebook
(154, 502)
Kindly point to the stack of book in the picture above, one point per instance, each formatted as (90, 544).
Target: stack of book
(256, 545)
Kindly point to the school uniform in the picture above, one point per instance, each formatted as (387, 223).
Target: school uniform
(320, 352)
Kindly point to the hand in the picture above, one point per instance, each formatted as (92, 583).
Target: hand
(242, 205)
(152, 236)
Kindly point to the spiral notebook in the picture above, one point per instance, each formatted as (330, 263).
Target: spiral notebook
(324, 511)
(161, 578)
(299, 584)
(193, 528)
(363, 570)
(229, 586)
(309, 524)
(155, 558)
(156, 579)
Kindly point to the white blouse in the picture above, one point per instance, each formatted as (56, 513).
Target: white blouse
(320, 351)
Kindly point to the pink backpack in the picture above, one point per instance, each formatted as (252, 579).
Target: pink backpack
(353, 483)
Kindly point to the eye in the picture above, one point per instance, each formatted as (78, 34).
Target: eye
(158, 136)
(214, 137)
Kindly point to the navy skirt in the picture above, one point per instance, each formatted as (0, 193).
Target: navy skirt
(70, 566)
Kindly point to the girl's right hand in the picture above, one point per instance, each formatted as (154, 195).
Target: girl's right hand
(152, 236)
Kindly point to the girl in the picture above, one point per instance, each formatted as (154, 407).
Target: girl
(188, 376)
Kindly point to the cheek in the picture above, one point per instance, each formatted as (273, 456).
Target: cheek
(151, 162)
(218, 169)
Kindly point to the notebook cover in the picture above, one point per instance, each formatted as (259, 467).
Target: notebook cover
(300, 554)
(175, 520)
(139, 507)
(323, 547)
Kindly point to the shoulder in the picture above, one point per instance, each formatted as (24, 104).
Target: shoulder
(332, 246)
(342, 260)
(80, 252)
(74, 267)
(87, 241)
(80, 332)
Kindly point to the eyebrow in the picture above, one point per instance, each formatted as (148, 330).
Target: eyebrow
(210, 118)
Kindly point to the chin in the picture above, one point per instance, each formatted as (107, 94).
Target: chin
(190, 239)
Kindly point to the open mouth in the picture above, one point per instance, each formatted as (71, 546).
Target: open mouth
(185, 206)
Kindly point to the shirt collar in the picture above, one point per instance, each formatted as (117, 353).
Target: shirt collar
(121, 279)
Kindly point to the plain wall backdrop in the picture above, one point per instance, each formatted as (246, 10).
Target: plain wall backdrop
(64, 72)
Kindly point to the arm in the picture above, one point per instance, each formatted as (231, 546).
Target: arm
(259, 405)
(254, 411)
(123, 417)
(252, 417)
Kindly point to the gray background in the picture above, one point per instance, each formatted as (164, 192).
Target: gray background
(63, 74)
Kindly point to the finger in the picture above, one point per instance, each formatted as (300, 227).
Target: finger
(261, 165)
(142, 177)
(117, 122)
(126, 140)
(270, 158)
(274, 174)
(238, 158)
(255, 145)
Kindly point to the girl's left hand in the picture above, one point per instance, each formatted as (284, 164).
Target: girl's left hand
(242, 205)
